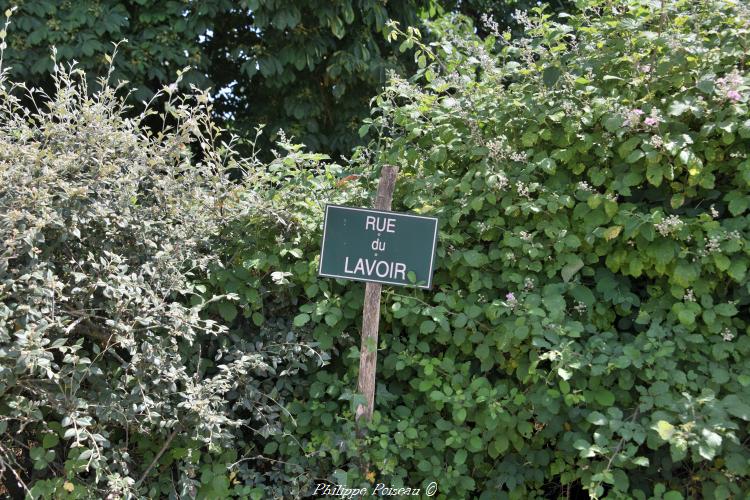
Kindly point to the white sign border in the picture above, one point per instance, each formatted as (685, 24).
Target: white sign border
(358, 209)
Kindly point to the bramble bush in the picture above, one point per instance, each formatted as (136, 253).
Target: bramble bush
(588, 329)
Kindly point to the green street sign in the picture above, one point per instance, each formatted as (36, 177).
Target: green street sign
(379, 246)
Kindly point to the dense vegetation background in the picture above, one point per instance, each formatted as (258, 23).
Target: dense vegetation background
(307, 67)
(163, 332)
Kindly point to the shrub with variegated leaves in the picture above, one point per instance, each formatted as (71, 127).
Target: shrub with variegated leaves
(116, 380)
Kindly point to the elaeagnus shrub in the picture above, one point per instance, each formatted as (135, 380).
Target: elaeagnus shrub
(116, 380)
(587, 332)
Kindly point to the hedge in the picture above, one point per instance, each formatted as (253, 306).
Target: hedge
(588, 327)
(586, 333)
(115, 379)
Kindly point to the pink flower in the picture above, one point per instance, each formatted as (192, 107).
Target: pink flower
(734, 96)
(633, 117)
(651, 121)
(511, 300)
(729, 84)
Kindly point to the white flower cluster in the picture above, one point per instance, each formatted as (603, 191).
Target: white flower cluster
(633, 117)
(519, 156)
(491, 25)
(569, 107)
(656, 141)
(528, 237)
(522, 18)
(689, 295)
(727, 335)
(499, 151)
(528, 284)
(523, 190)
(669, 225)
(476, 132)
(497, 181)
(713, 243)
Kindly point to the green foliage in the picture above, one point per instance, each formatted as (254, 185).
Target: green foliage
(162, 37)
(588, 329)
(586, 334)
(115, 381)
(307, 67)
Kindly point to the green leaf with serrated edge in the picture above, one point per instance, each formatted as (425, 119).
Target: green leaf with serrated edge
(664, 429)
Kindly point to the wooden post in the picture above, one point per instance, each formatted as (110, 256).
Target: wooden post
(368, 353)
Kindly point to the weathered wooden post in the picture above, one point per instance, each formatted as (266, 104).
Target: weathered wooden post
(377, 246)
(368, 352)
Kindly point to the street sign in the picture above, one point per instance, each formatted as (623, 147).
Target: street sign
(378, 246)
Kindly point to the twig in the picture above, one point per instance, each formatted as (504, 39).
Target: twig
(157, 457)
(12, 470)
(622, 441)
